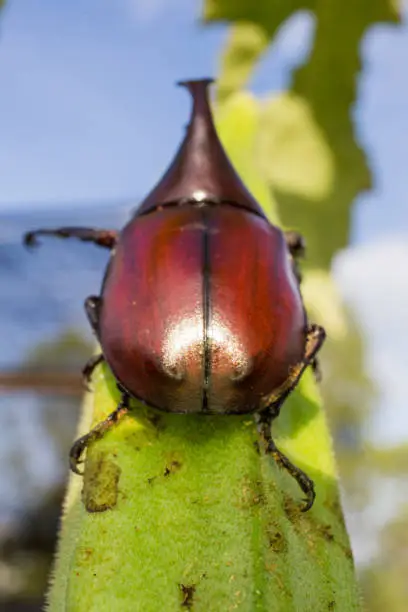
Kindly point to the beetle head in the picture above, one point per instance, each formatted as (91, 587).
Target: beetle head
(201, 170)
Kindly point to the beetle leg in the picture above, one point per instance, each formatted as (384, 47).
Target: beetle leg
(97, 432)
(314, 339)
(317, 340)
(296, 244)
(297, 248)
(89, 367)
(93, 305)
(264, 421)
(272, 405)
(316, 369)
(104, 238)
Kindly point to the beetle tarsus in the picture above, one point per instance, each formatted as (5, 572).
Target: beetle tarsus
(96, 433)
(305, 483)
(89, 367)
(104, 238)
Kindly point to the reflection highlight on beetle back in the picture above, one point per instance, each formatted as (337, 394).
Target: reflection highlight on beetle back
(187, 336)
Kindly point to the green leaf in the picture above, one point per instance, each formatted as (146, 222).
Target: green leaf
(238, 123)
(254, 26)
(326, 89)
(307, 150)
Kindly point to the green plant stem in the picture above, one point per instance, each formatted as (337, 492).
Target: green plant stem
(183, 511)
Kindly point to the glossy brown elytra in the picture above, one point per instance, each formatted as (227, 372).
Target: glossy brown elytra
(200, 309)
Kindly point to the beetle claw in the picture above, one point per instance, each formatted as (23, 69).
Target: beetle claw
(308, 501)
(75, 455)
(73, 464)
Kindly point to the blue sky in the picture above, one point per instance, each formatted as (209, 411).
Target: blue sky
(89, 112)
(88, 107)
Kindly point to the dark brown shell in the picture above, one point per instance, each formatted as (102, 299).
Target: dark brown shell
(201, 311)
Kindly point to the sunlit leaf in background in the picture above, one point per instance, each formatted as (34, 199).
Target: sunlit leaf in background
(308, 149)
(238, 126)
(309, 154)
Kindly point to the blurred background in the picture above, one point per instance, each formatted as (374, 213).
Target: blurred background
(312, 105)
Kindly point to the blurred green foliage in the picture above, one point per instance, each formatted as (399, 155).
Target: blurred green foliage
(307, 147)
(384, 582)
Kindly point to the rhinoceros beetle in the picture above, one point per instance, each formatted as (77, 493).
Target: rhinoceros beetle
(200, 309)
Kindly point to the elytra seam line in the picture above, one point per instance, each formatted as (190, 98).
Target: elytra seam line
(206, 311)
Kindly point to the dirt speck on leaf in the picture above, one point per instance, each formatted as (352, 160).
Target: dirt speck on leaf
(171, 468)
(187, 592)
(326, 532)
(100, 489)
(277, 541)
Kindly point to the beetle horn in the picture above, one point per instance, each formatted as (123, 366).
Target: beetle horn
(201, 170)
